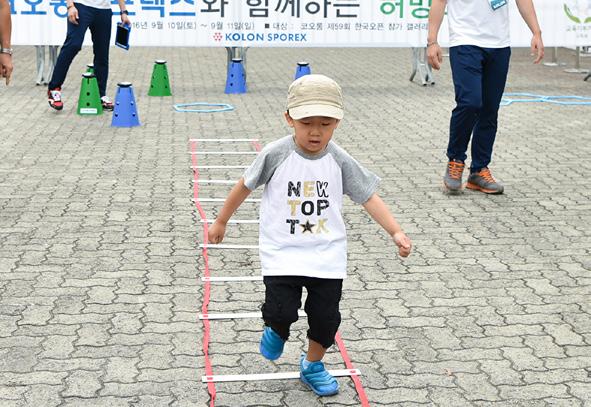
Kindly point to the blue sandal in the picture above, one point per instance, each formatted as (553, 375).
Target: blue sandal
(317, 378)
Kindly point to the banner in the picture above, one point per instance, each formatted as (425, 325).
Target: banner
(291, 23)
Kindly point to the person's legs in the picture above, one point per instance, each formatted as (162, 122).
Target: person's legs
(467, 68)
(324, 318)
(493, 84)
(282, 301)
(315, 352)
(322, 308)
(494, 77)
(72, 45)
(100, 30)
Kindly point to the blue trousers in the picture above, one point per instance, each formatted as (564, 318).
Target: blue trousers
(99, 21)
(479, 76)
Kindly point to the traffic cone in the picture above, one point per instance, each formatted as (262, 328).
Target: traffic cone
(90, 68)
(160, 86)
(89, 102)
(236, 79)
(302, 69)
(125, 112)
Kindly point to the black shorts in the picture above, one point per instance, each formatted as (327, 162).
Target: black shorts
(283, 299)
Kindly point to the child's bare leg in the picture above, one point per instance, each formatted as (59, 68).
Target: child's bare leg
(315, 351)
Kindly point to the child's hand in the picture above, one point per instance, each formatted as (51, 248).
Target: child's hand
(403, 242)
(216, 232)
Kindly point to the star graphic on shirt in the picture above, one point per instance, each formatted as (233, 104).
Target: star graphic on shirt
(307, 227)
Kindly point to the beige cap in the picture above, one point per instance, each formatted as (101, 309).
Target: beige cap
(315, 95)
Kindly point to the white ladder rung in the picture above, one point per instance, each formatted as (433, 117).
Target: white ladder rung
(214, 181)
(240, 315)
(228, 246)
(226, 140)
(232, 221)
(213, 167)
(223, 152)
(224, 279)
(273, 376)
(224, 200)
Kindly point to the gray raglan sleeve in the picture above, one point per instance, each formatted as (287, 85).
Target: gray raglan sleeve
(263, 167)
(359, 183)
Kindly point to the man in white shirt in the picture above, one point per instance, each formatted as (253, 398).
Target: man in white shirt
(479, 57)
(95, 15)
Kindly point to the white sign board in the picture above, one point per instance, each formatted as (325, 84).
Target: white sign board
(291, 23)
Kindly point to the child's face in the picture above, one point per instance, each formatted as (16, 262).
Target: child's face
(312, 134)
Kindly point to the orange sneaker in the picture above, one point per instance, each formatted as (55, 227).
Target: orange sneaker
(483, 181)
(453, 176)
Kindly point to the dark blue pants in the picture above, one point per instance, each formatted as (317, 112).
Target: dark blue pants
(99, 22)
(479, 76)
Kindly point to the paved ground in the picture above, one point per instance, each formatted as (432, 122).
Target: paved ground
(100, 267)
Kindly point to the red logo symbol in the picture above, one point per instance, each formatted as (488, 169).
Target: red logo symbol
(217, 36)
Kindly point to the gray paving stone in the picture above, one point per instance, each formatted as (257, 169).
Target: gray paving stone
(575, 362)
(160, 375)
(477, 387)
(448, 367)
(420, 381)
(442, 338)
(82, 383)
(552, 401)
(501, 372)
(70, 364)
(533, 391)
(126, 323)
(45, 395)
(151, 401)
(523, 359)
(563, 334)
(133, 389)
(23, 379)
(12, 393)
(98, 402)
(122, 370)
(576, 350)
(13, 403)
(93, 335)
(581, 391)
(448, 397)
(544, 346)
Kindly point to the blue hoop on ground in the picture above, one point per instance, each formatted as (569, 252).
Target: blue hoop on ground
(557, 100)
(583, 101)
(523, 97)
(221, 107)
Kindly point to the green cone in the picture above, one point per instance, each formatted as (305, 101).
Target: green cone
(160, 86)
(89, 102)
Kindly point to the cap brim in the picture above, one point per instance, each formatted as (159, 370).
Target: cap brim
(302, 112)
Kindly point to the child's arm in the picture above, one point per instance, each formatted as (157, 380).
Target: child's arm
(235, 198)
(381, 214)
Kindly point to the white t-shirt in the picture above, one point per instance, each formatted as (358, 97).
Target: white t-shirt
(104, 4)
(301, 230)
(474, 22)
